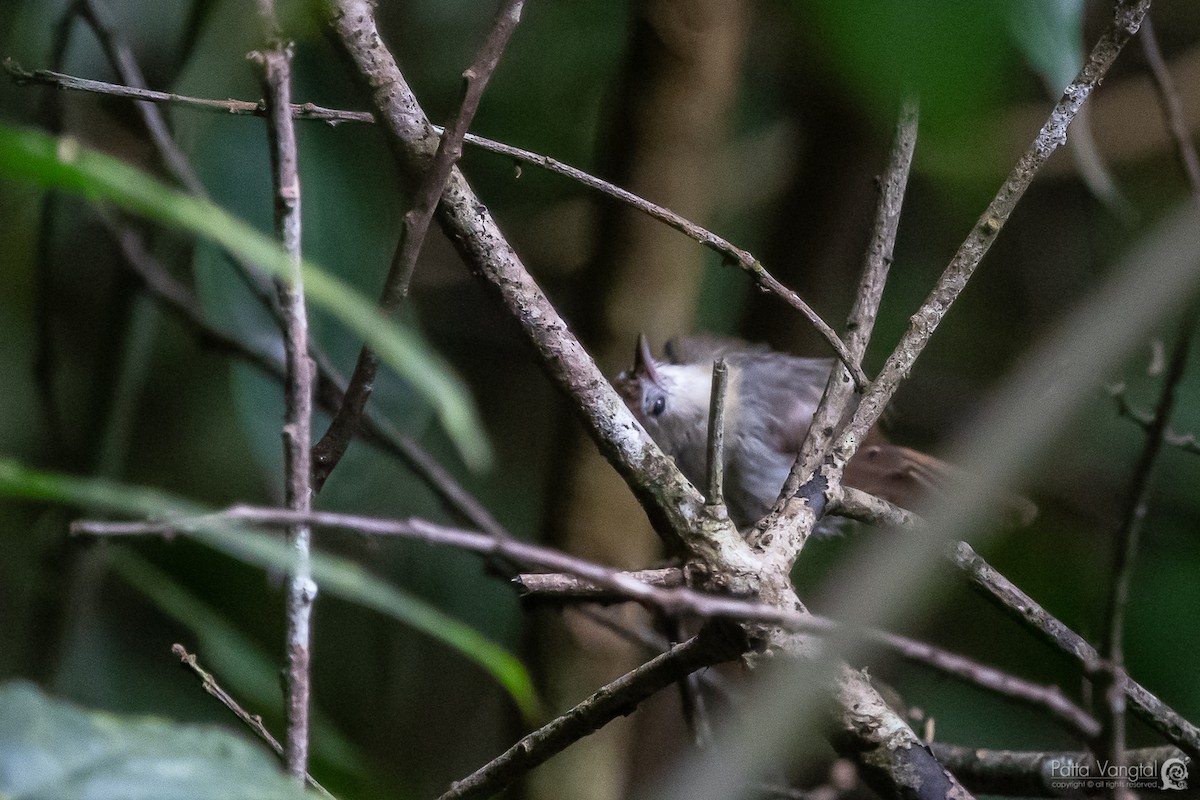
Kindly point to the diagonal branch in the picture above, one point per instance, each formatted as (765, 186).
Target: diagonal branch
(1053, 134)
(654, 478)
(251, 721)
(1032, 615)
(121, 56)
(835, 401)
(332, 445)
(794, 516)
(1172, 107)
(616, 699)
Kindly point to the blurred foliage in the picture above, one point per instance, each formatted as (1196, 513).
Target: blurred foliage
(140, 400)
(50, 750)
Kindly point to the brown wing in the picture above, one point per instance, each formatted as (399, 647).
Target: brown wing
(910, 479)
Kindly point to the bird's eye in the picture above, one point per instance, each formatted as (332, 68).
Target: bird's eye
(660, 403)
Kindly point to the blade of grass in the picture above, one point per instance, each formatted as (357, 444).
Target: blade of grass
(334, 575)
(65, 164)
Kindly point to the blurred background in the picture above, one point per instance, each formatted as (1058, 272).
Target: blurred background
(766, 122)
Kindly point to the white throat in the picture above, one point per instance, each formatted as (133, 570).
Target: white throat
(689, 387)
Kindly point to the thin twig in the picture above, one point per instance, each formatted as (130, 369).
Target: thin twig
(475, 78)
(45, 354)
(1137, 500)
(1187, 442)
(252, 721)
(716, 434)
(120, 55)
(1172, 107)
(1125, 549)
(611, 701)
(332, 445)
(237, 108)
(877, 261)
(276, 62)
(745, 260)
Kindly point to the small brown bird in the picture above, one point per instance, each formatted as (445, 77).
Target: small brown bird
(769, 405)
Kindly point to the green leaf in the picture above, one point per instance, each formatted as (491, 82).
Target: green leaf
(66, 164)
(51, 750)
(336, 576)
(1050, 35)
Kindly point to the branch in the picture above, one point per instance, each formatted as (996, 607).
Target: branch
(716, 434)
(1047, 698)
(570, 588)
(745, 260)
(332, 445)
(237, 108)
(1016, 603)
(251, 721)
(616, 699)
(449, 151)
(1125, 545)
(121, 56)
(668, 594)
(276, 63)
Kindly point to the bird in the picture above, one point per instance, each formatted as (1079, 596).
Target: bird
(769, 405)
